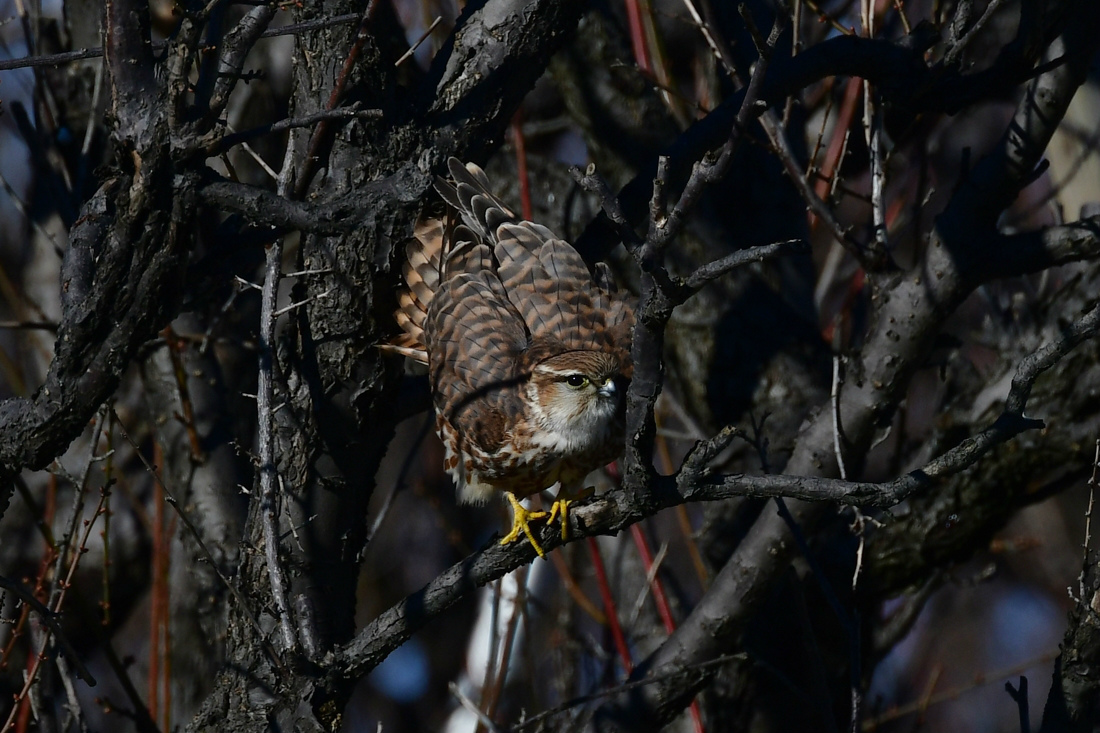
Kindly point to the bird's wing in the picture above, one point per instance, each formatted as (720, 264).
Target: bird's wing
(542, 276)
(468, 191)
(548, 283)
(422, 271)
(474, 338)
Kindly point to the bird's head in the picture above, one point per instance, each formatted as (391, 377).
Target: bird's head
(576, 397)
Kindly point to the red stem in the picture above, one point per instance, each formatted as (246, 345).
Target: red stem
(609, 606)
(659, 597)
(637, 36)
(521, 164)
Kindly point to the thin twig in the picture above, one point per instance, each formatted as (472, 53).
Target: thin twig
(626, 687)
(24, 210)
(255, 156)
(575, 591)
(590, 181)
(715, 49)
(926, 701)
(265, 388)
(320, 133)
(872, 125)
(855, 676)
(72, 701)
(826, 18)
(93, 111)
(51, 620)
(904, 19)
(303, 273)
(651, 564)
(816, 570)
(1092, 495)
(57, 602)
(1019, 696)
(469, 704)
(759, 253)
(423, 37)
(59, 59)
(79, 487)
(208, 556)
(288, 308)
(35, 511)
(143, 721)
(823, 213)
(953, 54)
(511, 631)
(412, 454)
(893, 629)
(28, 326)
(351, 112)
(242, 283)
(1088, 525)
(610, 612)
(838, 428)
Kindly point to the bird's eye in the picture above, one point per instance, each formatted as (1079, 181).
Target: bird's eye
(576, 381)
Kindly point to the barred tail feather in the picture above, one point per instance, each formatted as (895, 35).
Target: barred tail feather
(423, 258)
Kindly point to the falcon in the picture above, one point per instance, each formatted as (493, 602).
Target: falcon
(528, 353)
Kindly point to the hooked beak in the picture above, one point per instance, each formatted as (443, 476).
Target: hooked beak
(608, 389)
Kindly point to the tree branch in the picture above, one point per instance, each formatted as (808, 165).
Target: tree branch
(1074, 699)
(235, 47)
(130, 66)
(910, 311)
(467, 101)
(612, 512)
(262, 206)
(1030, 252)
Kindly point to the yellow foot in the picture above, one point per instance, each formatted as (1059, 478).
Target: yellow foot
(561, 508)
(521, 519)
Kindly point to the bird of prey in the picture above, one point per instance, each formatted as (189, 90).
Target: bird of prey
(528, 353)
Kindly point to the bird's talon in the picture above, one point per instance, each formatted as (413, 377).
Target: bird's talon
(561, 509)
(521, 519)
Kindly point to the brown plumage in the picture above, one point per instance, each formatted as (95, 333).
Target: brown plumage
(528, 356)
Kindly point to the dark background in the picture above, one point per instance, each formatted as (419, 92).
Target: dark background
(152, 187)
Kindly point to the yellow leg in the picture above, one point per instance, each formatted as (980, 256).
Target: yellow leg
(521, 519)
(560, 507)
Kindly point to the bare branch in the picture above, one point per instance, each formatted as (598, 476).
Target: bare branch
(952, 56)
(1073, 701)
(238, 42)
(1021, 254)
(1019, 696)
(611, 513)
(340, 113)
(49, 618)
(821, 210)
(68, 57)
(593, 183)
(898, 340)
(269, 477)
(130, 64)
(760, 253)
(340, 215)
